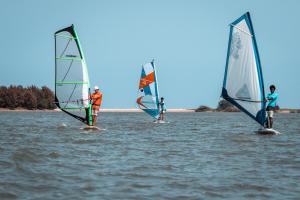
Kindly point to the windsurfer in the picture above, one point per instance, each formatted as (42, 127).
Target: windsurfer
(163, 109)
(272, 98)
(96, 99)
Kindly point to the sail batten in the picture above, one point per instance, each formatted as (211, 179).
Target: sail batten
(243, 81)
(148, 97)
(72, 83)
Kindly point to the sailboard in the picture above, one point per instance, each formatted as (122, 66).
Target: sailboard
(148, 95)
(243, 84)
(72, 85)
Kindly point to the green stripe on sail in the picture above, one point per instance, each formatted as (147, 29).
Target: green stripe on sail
(65, 36)
(80, 108)
(70, 82)
(68, 58)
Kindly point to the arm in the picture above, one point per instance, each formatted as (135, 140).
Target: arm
(272, 97)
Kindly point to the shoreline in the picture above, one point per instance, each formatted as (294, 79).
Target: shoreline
(105, 110)
(135, 110)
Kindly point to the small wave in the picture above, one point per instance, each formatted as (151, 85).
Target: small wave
(252, 187)
(54, 155)
(286, 144)
(88, 187)
(62, 125)
(8, 195)
(213, 194)
(240, 139)
(84, 141)
(178, 185)
(4, 164)
(140, 186)
(25, 155)
(257, 196)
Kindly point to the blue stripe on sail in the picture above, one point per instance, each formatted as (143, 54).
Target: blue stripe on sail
(152, 112)
(261, 115)
(235, 103)
(156, 85)
(143, 73)
(147, 90)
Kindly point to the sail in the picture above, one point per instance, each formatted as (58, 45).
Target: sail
(72, 83)
(243, 80)
(148, 97)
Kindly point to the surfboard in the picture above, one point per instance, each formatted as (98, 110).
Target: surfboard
(267, 131)
(92, 128)
(160, 122)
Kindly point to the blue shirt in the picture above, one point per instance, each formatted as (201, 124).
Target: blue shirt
(162, 106)
(272, 97)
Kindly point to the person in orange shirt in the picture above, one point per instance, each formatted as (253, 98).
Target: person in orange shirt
(96, 99)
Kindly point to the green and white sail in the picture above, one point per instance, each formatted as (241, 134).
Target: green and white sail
(72, 85)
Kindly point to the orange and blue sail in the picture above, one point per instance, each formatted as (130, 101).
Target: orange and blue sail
(148, 97)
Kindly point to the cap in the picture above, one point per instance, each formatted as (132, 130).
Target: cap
(96, 88)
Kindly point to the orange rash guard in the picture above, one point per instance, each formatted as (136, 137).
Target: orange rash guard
(96, 100)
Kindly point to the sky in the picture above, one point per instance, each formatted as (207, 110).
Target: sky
(188, 40)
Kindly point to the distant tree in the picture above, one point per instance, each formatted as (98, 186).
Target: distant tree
(30, 97)
(12, 97)
(30, 100)
(3, 103)
(48, 96)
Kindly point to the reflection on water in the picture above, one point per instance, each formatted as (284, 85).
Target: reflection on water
(195, 156)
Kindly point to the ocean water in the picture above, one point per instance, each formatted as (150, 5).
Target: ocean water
(194, 156)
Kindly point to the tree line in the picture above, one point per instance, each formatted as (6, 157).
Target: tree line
(31, 97)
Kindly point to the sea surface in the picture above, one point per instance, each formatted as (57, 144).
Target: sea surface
(45, 155)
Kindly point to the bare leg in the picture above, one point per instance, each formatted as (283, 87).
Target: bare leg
(271, 122)
(94, 120)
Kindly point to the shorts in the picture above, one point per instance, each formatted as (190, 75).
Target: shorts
(270, 113)
(95, 112)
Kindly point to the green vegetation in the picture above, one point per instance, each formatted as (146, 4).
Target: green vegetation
(31, 97)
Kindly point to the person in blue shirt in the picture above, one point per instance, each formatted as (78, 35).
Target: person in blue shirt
(162, 109)
(272, 104)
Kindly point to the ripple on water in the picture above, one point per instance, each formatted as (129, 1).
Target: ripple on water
(8, 195)
(5, 164)
(54, 155)
(136, 159)
(84, 141)
(25, 155)
(253, 187)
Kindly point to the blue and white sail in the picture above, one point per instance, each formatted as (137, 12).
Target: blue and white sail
(148, 97)
(243, 84)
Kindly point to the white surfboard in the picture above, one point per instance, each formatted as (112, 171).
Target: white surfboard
(160, 122)
(92, 128)
(267, 131)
